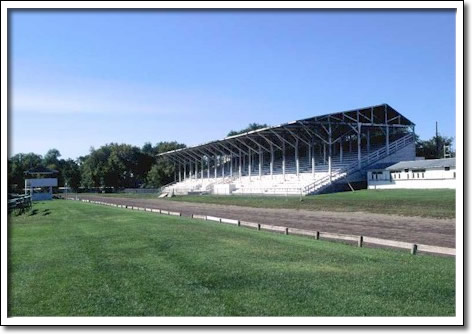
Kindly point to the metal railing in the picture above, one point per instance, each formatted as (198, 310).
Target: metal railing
(367, 160)
(21, 202)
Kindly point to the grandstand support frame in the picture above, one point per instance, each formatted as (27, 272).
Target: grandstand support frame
(246, 151)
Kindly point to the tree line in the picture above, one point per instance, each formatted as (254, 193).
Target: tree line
(112, 165)
(121, 166)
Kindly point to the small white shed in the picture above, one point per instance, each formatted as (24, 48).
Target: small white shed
(39, 185)
(416, 174)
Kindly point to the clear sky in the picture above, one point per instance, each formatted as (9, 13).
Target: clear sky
(82, 79)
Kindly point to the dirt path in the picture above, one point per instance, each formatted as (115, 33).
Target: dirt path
(429, 231)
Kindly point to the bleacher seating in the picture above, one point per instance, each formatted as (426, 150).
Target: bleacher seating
(275, 184)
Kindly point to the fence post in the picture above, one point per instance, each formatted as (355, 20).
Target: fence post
(360, 241)
(239, 223)
(414, 248)
(258, 227)
(317, 237)
(286, 231)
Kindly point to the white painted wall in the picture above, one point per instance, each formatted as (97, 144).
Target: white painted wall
(223, 189)
(433, 179)
(46, 182)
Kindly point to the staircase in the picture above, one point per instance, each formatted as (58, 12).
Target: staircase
(368, 160)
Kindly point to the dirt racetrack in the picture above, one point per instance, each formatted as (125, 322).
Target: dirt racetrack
(428, 231)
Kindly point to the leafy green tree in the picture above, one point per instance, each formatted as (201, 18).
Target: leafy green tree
(112, 165)
(433, 148)
(166, 146)
(160, 174)
(147, 149)
(70, 171)
(17, 166)
(251, 127)
(162, 171)
(51, 159)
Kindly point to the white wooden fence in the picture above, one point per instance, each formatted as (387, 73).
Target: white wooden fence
(359, 240)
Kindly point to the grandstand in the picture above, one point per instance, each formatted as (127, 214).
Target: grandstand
(302, 157)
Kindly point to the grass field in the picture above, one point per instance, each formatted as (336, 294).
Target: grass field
(72, 258)
(437, 203)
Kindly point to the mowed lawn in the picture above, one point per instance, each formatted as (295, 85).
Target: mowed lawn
(71, 258)
(437, 203)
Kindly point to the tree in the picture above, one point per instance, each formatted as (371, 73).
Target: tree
(116, 165)
(111, 165)
(147, 149)
(434, 147)
(51, 159)
(71, 174)
(17, 166)
(166, 146)
(251, 127)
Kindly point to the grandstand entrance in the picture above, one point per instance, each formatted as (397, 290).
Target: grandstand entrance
(302, 157)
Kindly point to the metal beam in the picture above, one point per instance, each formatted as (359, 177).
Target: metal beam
(270, 141)
(249, 147)
(258, 144)
(296, 136)
(282, 139)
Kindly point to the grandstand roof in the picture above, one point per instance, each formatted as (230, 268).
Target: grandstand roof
(318, 127)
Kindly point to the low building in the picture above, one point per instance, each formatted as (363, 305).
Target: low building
(416, 174)
(40, 183)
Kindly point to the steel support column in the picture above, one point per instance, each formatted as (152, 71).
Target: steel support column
(297, 161)
(260, 163)
(239, 165)
(330, 171)
(312, 159)
(202, 169)
(283, 159)
(359, 144)
(387, 138)
(222, 166)
(209, 163)
(324, 153)
(368, 143)
(180, 173)
(249, 157)
(271, 160)
(387, 132)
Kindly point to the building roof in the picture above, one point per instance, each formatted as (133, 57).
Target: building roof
(41, 170)
(380, 165)
(424, 164)
(378, 115)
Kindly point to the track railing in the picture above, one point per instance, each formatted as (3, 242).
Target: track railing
(367, 160)
(21, 202)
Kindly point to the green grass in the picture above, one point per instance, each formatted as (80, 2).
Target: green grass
(437, 203)
(71, 258)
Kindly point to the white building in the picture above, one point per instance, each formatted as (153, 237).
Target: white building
(39, 185)
(416, 174)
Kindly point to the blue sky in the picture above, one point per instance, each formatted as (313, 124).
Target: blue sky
(82, 79)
